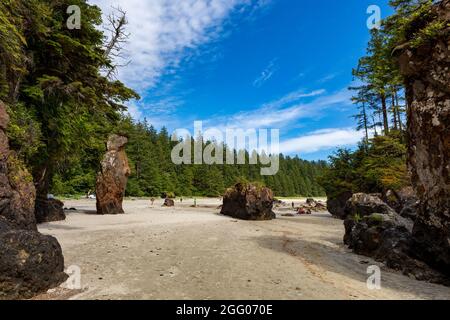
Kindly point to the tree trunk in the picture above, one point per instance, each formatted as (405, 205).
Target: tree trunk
(385, 114)
(46, 210)
(394, 112)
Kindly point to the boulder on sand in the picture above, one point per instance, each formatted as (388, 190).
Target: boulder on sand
(30, 263)
(248, 202)
(169, 203)
(113, 178)
(49, 210)
(374, 229)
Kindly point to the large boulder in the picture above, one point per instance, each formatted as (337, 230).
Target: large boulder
(336, 204)
(112, 180)
(49, 210)
(388, 238)
(248, 202)
(30, 263)
(425, 68)
(362, 204)
(169, 203)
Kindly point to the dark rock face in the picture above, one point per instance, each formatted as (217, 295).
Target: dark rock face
(388, 238)
(362, 205)
(30, 263)
(248, 202)
(112, 180)
(336, 205)
(374, 229)
(49, 210)
(427, 80)
(17, 192)
(399, 199)
(169, 203)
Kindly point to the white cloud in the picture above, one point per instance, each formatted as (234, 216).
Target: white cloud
(266, 74)
(163, 30)
(321, 140)
(133, 111)
(327, 78)
(284, 111)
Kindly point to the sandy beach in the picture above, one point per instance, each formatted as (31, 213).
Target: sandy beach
(153, 252)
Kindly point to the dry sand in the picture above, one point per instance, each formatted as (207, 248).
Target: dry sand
(194, 253)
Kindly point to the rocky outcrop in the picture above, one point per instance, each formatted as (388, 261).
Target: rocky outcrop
(248, 202)
(336, 204)
(30, 263)
(426, 70)
(361, 204)
(49, 210)
(374, 229)
(112, 180)
(17, 192)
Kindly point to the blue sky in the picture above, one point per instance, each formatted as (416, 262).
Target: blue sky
(277, 64)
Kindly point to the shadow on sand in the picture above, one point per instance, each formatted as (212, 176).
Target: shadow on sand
(336, 258)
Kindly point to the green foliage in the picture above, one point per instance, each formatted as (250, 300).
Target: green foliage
(62, 107)
(24, 131)
(379, 167)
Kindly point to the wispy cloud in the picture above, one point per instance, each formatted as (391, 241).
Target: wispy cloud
(285, 111)
(325, 139)
(266, 74)
(162, 31)
(327, 78)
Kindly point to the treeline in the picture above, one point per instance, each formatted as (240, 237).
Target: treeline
(379, 163)
(153, 172)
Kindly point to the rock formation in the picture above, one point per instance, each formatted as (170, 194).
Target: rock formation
(30, 263)
(17, 191)
(336, 204)
(112, 180)
(361, 204)
(169, 203)
(49, 210)
(248, 202)
(426, 70)
(374, 229)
